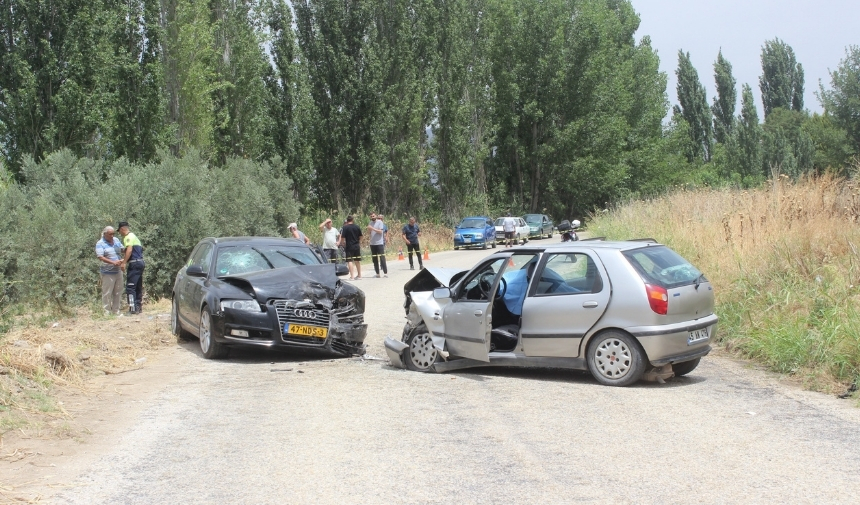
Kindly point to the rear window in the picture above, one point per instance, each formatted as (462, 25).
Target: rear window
(663, 266)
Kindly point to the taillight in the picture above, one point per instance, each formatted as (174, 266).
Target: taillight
(658, 298)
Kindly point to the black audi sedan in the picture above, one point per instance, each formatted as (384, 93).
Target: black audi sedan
(266, 292)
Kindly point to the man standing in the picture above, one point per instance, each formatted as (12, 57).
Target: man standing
(510, 227)
(377, 244)
(294, 231)
(109, 252)
(330, 239)
(134, 268)
(351, 238)
(410, 234)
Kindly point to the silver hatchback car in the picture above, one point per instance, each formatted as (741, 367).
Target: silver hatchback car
(624, 311)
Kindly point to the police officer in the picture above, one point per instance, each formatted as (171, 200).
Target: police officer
(133, 262)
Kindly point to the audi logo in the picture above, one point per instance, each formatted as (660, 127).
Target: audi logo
(305, 313)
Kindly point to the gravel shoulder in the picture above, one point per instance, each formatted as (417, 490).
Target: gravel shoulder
(306, 428)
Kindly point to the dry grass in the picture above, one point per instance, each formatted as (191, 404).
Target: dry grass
(41, 353)
(785, 264)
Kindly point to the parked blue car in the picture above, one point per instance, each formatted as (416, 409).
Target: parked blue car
(475, 231)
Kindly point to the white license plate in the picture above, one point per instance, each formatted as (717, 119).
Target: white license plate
(697, 336)
(467, 240)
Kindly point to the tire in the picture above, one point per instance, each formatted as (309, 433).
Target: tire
(421, 354)
(683, 368)
(484, 245)
(615, 359)
(208, 346)
(456, 248)
(175, 326)
(494, 242)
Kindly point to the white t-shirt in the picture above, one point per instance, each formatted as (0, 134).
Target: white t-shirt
(377, 238)
(509, 224)
(330, 237)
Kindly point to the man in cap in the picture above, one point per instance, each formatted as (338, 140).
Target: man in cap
(294, 230)
(134, 265)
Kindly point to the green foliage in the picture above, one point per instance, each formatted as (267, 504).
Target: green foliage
(50, 224)
(694, 108)
(781, 81)
(745, 150)
(724, 102)
(787, 147)
(842, 101)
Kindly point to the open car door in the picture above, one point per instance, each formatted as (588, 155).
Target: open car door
(468, 318)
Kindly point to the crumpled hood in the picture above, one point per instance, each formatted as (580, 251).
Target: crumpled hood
(430, 279)
(314, 282)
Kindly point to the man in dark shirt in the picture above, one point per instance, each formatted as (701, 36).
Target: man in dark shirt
(351, 237)
(411, 232)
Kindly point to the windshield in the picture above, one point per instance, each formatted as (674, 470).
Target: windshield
(663, 267)
(473, 222)
(500, 221)
(243, 259)
(533, 218)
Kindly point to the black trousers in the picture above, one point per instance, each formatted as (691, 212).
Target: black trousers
(134, 285)
(414, 247)
(378, 253)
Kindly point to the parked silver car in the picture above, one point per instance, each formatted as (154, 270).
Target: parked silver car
(621, 310)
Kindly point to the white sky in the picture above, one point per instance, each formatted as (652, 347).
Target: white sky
(818, 31)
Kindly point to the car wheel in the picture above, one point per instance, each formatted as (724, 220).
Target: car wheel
(421, 353)
(175, 325)
(210, 348)
(550, 234)
(682, 369)
(615, 359)
(484, 245)
(494, 243)
(456, 248)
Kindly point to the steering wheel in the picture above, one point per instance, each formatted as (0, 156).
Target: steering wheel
(485, 283)
(503, 288)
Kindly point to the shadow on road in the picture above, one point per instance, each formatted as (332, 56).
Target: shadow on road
(251, 355)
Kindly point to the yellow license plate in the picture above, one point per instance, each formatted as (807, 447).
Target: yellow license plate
(308, 331)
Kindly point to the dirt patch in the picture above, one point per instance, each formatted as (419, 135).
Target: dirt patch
(64, 381)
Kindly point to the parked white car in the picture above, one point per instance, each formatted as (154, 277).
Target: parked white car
(522, 230)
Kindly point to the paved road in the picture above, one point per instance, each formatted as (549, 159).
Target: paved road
(262, 428)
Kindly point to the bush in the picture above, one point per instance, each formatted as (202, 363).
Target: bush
(51, 222)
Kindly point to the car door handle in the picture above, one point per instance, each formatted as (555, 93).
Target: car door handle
(479, 312)
(589, 305)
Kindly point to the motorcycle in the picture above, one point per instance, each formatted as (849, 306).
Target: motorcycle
(568, 229)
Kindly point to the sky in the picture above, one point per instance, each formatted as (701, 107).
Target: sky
(818, 31)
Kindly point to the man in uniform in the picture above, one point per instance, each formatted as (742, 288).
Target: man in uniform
(410, 234)
(133, 262)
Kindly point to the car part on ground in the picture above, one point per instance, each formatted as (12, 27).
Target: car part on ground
(625, 311)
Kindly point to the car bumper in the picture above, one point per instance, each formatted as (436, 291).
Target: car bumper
(262, 329)
(678, 342)
(472, 242)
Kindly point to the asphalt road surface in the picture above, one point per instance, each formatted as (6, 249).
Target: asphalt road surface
(263, 428)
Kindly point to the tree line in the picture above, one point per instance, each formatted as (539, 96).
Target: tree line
(431, 107)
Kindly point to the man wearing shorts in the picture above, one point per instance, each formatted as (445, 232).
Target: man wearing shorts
(351, 238)
(510, 227)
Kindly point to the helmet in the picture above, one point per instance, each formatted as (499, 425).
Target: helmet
(575, 223)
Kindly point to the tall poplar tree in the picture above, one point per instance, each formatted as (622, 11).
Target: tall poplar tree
(724, 103)
(842, 100)
(782, 79)
(694, 107)
(748, 158)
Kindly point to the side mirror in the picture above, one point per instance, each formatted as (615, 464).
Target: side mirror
(442, 293)
(340, 269)
(195, 271)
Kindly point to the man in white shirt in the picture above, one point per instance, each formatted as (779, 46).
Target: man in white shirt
(330, 239)
(509, 225)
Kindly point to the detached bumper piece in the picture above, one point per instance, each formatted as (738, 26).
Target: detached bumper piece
(395, 349)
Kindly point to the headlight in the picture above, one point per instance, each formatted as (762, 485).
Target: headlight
(249, 305)
(457, 235)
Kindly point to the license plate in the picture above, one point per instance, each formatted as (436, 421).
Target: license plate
(698, 336)
(467, 240)
(307, 331)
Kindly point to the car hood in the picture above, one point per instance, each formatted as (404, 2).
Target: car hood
(469, 230)
(317, 283)
(432, 278)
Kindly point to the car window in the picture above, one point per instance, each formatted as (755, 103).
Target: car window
(478, 285)
(532, 218)
(500, 221)
(201, 257)
(569, 273)
(243, 259)
(663, 266)
(472, 223)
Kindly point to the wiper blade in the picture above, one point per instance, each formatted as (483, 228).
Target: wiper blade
(699, 280)
(294, 260)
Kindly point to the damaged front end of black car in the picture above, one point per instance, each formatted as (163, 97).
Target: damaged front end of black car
(305, 306)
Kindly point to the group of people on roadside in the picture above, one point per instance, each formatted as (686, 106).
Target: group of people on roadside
(349, 238)
(120, 257)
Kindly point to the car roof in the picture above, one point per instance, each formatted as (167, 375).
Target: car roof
(620, 245)
(254, 240)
